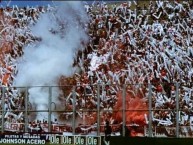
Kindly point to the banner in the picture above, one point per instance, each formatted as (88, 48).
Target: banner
(39, 139)
(74, 140)
(24, 138)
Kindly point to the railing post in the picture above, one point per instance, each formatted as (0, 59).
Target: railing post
(26, 109)
(150, 110)
(74, 110)
(49, 109)
(98, 109)
(177, 109)
(3, 111)
(124, 109)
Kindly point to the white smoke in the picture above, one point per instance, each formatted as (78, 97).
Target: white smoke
(43, 63)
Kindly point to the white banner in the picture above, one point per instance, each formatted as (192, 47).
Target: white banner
(74, 140)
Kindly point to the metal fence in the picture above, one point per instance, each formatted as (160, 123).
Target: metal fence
(142, 109)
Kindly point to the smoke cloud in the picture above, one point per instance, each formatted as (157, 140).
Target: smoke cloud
(62, 33)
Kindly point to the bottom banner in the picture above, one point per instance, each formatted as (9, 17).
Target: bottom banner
(74, 140)
(39, 139)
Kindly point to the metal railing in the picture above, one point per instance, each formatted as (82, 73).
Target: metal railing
(83, 109)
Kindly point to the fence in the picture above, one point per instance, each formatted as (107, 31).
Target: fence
(140, 109)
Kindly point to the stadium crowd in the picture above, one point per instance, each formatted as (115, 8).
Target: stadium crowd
(129, 44)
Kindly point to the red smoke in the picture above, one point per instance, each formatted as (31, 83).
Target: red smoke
(135, 109)
(135, 112)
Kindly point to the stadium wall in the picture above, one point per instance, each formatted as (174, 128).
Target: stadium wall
(118, 140)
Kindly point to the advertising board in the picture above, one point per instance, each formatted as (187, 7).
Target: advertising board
(74, 140)
(55, 139)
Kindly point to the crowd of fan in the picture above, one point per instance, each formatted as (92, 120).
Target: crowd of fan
(129, 45)
(14, 35)
(143, 46)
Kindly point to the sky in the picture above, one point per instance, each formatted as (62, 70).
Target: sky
(34, 3)
(22, 3)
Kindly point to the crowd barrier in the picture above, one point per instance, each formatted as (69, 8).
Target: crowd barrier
(77, 117)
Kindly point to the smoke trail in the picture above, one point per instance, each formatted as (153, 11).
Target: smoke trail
(62, 34)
